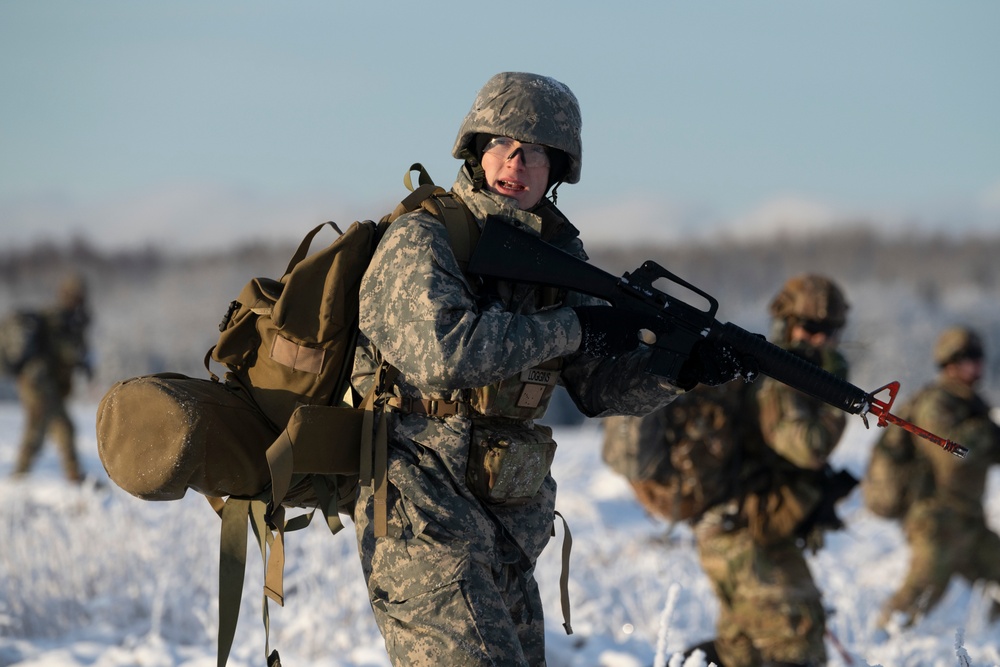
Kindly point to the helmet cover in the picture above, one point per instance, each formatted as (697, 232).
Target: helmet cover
(529, 108)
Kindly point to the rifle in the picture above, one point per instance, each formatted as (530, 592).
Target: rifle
(507, 253)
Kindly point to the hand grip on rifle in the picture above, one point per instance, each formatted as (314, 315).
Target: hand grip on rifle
(609, 331)
(713, 363)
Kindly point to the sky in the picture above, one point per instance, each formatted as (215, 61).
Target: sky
(191, 124)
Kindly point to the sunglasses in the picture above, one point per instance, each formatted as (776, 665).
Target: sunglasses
(819, 327)
(504, 148)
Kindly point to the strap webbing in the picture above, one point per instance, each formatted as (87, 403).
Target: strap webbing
(381, 477)
(375, 446)
(463, 230)
(274, 570)
(281, 465)
(564, 574)
(258, 521)
(232, 568)
(328, 503)
(303, 249)
(423, 179)
(269, 530)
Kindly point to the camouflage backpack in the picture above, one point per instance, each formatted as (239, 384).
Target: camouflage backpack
(898, 474)
(21, 339)
(683, 458)
(284, 428)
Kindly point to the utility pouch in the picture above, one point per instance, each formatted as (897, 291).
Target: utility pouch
(507, 461)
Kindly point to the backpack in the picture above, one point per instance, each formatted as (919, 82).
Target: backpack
(897, 475)
(288, 345)
(704, 449)
(22, 337)
(684, 458)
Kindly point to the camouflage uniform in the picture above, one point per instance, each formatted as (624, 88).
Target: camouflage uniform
(452, 582)
(46, 380)
(751, 542)
(947, 531)
(770, 607)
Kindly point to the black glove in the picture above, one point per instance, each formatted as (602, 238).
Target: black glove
(713, 363)
(609, 331)
(836, 486)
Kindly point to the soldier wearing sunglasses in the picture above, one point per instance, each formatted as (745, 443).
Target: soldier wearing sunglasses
(767, 494)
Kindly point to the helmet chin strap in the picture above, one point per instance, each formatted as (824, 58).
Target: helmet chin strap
(554, 196)
(478, 173)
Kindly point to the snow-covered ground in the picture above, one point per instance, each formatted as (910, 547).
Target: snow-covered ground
(92, 577)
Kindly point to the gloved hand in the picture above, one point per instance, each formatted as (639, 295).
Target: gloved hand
(713, 363)
(836, 486)
(609, 331)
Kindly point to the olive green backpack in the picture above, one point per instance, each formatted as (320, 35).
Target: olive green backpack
(898, 474)
(290, 344)
(684, 458)
(283, 428)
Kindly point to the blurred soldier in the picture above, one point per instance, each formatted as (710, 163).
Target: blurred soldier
(746, 465)
(947, 530)
(57, 348)
(450, 572)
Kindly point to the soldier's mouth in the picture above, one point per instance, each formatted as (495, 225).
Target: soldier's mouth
(511, 185)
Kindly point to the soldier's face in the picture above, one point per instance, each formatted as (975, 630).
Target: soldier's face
(817, 339)
(967, 371)
(506, 163)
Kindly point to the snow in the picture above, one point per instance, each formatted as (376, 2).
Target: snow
(92, 577)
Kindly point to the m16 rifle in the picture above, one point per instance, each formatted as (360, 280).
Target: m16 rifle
(507, 253)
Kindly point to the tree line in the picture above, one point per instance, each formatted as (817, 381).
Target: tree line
(156, 311)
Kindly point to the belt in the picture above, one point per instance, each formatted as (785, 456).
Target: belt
(428, 406)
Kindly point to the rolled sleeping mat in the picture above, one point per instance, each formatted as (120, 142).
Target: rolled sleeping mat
(159, 435)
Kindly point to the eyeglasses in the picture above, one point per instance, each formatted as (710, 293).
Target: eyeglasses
(505, 148)
(819, 327)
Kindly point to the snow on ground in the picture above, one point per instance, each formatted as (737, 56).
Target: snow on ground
(92, 577)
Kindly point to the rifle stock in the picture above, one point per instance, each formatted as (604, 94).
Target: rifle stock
(510, 254)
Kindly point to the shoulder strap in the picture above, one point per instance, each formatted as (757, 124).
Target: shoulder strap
(424, 190)
(463, 230)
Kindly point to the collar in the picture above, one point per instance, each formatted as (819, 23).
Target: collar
(544, 219)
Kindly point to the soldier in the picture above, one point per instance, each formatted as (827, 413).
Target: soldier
(45, 378)
(450, 575)
(946, 529)
(746, 465)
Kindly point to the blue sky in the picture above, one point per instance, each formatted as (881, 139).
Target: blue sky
(185, 124)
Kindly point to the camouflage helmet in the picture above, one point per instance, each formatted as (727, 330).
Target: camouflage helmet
(530, 108)
(810, 298)
(72, 291)
(957, 343)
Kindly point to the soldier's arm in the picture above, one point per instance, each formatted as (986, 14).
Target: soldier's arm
(420, 311)
(801, 429)
(616, 386)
